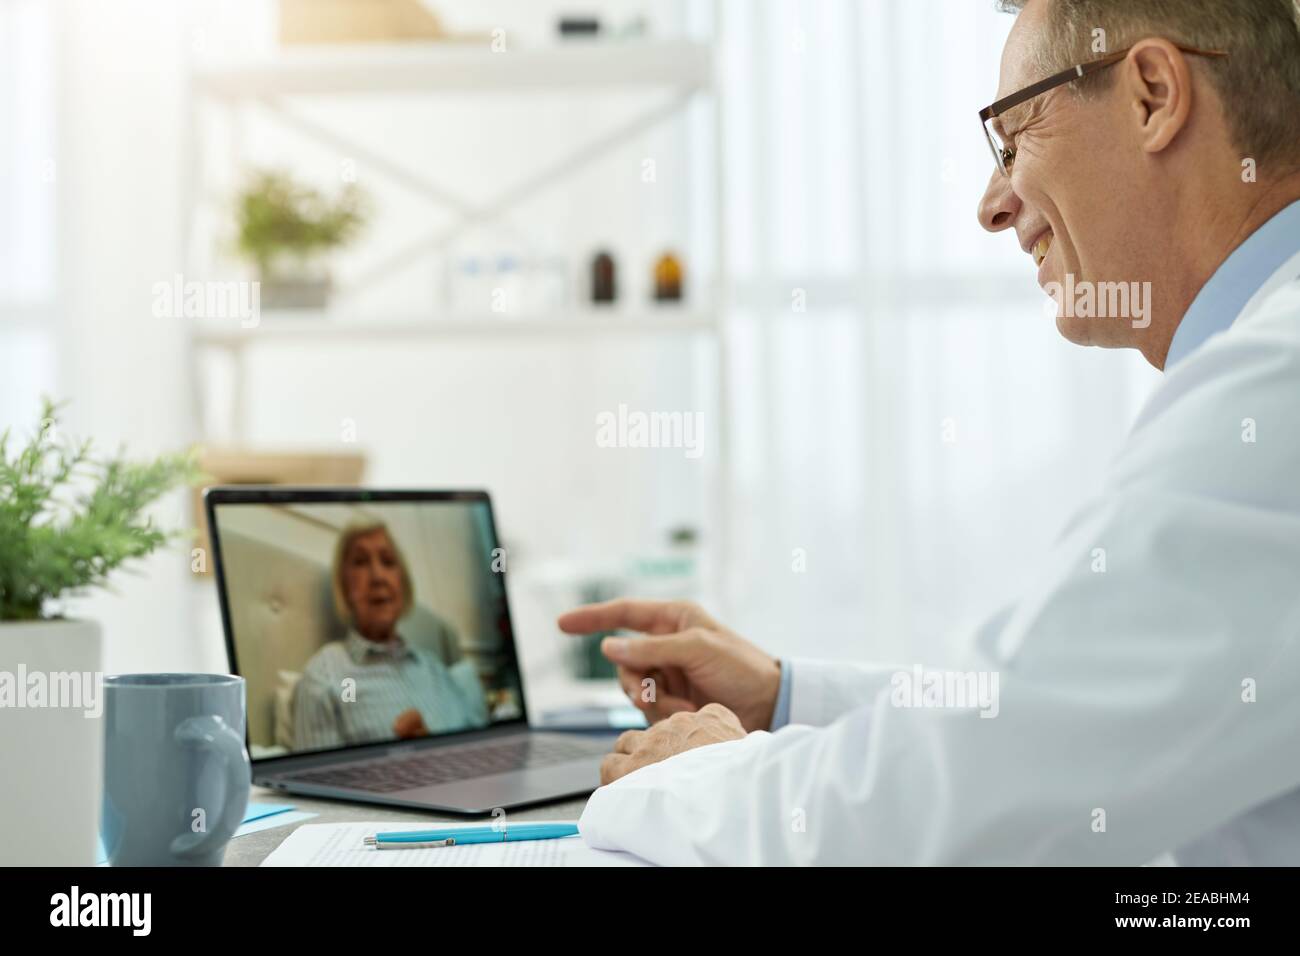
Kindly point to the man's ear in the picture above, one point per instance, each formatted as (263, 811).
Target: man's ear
(1158, 84)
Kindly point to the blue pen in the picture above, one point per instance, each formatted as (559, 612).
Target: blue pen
(511, 833)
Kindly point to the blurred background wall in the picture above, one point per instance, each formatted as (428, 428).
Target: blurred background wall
(893, 431)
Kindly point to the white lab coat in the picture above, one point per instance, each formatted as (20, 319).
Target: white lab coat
(1122, 731)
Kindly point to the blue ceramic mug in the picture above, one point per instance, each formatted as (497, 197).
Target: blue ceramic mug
(176, 774)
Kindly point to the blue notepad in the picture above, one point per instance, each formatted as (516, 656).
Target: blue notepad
(256, 811)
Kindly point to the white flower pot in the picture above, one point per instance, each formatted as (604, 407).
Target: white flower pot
(51, 745)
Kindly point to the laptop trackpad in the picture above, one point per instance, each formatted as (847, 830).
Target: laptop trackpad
(499, 790)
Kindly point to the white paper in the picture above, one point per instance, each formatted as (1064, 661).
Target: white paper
(340, 844)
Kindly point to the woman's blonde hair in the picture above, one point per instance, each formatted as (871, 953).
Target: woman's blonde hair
(341, 546)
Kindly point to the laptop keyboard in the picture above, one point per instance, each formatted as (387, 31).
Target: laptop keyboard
(443, 765)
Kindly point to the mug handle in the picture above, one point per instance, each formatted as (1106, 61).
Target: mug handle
(212, 733)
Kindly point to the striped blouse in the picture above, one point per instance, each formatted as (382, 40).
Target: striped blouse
(352, 690)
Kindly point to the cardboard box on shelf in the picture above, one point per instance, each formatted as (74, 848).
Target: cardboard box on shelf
(241, 466)
(356, 21)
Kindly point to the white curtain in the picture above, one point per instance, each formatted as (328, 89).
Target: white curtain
(28, 180)
(916, 436)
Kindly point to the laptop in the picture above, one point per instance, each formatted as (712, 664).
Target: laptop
(373, 633)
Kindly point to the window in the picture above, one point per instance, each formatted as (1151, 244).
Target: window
(28, 212)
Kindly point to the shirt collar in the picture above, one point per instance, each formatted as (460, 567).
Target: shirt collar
(1236, 281)
(360, 649)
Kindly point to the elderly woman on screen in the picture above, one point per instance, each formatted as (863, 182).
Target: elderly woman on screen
(373, 685)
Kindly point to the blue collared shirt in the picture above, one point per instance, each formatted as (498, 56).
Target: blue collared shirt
(781, 715)
(1247, 268)
(1213, 310)
(352, 691)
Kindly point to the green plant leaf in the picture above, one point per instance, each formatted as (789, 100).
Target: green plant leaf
(278, 216)
(69, 519)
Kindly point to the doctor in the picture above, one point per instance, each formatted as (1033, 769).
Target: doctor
(1147, 705)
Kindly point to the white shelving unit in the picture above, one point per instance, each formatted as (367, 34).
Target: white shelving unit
(450, 67)
(682, 69)
(576, 322)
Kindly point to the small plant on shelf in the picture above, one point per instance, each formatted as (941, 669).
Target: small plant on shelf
(288, 229)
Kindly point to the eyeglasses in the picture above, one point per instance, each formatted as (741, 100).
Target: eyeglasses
(1004, 153)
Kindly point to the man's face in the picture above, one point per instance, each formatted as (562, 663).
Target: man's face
(372, 584)
(1068, 197)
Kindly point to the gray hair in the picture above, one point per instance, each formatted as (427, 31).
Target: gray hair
(1258, 83)
(341, 547)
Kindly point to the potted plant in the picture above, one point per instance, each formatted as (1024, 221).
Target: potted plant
(286, 229)
(68, 519)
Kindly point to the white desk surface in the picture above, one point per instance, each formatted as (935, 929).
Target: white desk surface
(251, 850)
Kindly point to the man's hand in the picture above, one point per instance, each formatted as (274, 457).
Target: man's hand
(409, 723)
(686, 660)
(711, 724)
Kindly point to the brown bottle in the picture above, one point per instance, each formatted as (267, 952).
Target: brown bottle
(668, 279)
(603, 288)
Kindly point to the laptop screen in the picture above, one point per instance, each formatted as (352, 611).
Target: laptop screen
(368, 620)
